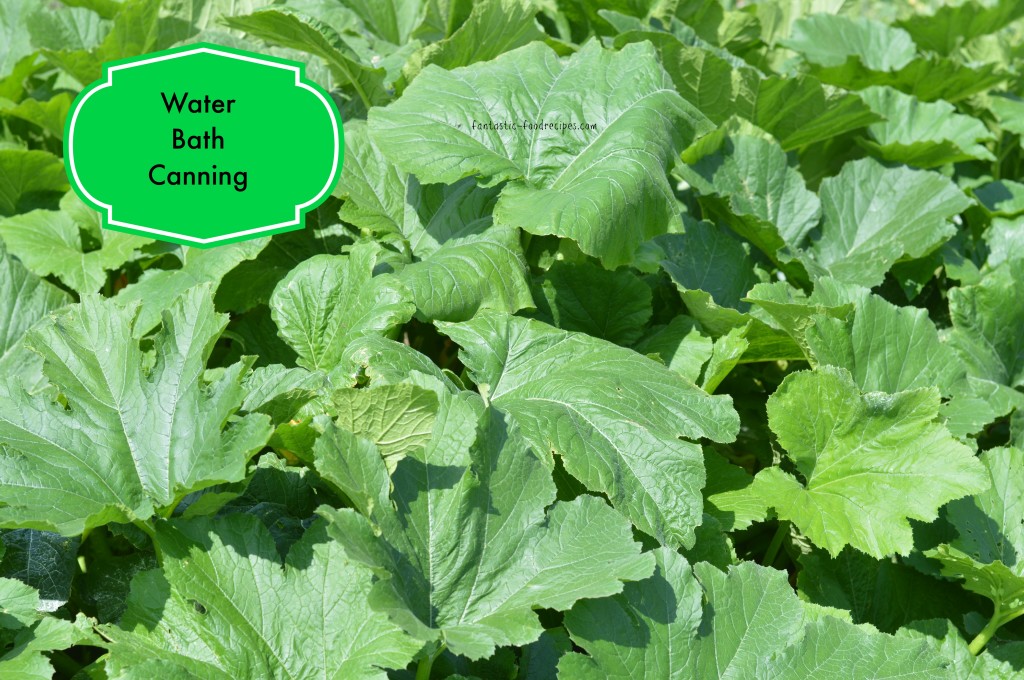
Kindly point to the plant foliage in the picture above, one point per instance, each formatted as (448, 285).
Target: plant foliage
(639, 339)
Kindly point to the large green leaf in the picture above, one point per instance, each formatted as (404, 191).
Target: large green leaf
(745, 623)
(329, 300)
(393, 20)
(463, 545)
(922, 134)
(157, 289)
(886, 348)
(27, 176)
(50, 242)
(24, 299)
(135, 31)
(874, 216)
(620, 135)
(710, 259)
(613, 416)
(858, 52)
(288, 28)
(469, 274)
(391, 203)
(222, 607)
(796, 111)
(137, 433)
(746, 182)
(460, 262)
(492, 28)
(951, 26)
(14, 36)
(834, 41)
(989, 552)
(869, 462)
(48, 115)
(397, 418)
(988, 325)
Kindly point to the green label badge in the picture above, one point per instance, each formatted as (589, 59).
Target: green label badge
(203, 145)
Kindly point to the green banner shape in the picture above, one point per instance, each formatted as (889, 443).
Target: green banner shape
(203, 145)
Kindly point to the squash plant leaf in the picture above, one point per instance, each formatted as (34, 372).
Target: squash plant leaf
(989, 551)
(329, 300)
(558, 178)
(137, 433)
(870, 461)
(874, 216)
(700, 622)
(463, 545)
(222, 580)
(627, 443)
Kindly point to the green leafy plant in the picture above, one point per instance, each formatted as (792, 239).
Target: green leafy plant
(648, 339)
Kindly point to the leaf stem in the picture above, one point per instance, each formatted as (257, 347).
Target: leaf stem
(982, 638)
(426, 663)
(998, 620)
(147, 528)
(773, 548)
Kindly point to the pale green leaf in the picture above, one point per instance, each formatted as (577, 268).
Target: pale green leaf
(833, 41)
(988, 325)
(14, 37)
(869, 461)
(393, 20)
(796, 111)
(730, 495)
(50, 242)
(491, 29)
(288, 28)
(953, 25)
(923, 134)
(749, 186)
(397, 418)
(137, 435)
(469, 274)
(24, 299)
(48, 115)
(875, 216)
(857, 52)
(743, 623)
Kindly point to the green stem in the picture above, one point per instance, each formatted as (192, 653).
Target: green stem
(773, 548)
(147, 528)
(426, 663)
(999, 619)
(979, 642)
